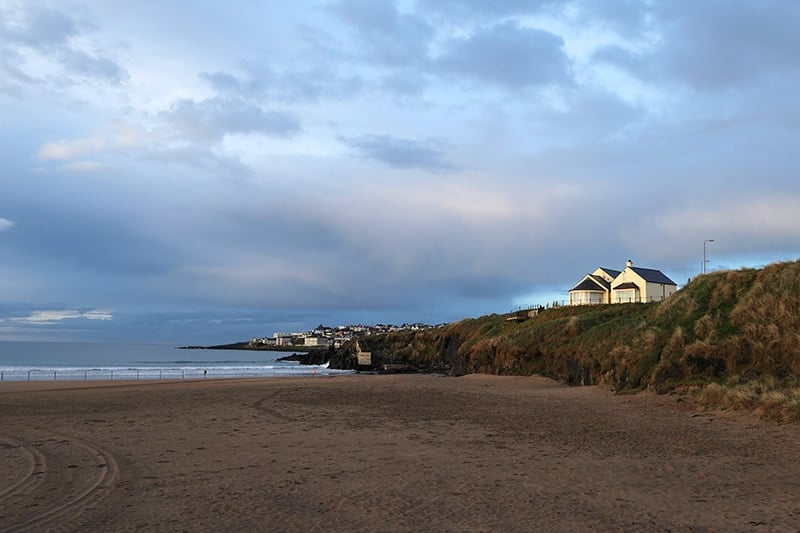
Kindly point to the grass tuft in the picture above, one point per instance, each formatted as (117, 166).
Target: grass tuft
(771, 399)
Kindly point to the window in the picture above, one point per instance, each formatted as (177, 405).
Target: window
(626, 296)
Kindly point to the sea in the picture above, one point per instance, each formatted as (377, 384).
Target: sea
(74, 361)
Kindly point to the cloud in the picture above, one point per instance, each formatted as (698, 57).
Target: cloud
(97, 315)
(399, 153)
(227, 83)
(50, 41)
(383, 33)
(740, 225)
(84, 166)
(37, 27)
(69, 149)
(94, 66)
(14, 78)
(210, 120)
(711, 47)
(80, 154)
(160, 143)
(627, 17)
(5, 224)
(206, 158)
(295, 83)
(57, 316)
(459, 9)
(507, 55)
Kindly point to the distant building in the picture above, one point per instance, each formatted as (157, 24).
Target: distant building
(316, 341)
(263, 341)
(282, 339)
(633, 284)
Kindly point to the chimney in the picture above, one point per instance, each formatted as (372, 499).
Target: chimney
(629, 263)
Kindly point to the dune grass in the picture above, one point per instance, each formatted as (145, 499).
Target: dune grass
(771, 399)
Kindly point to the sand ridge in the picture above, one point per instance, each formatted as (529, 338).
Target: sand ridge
(385, 453)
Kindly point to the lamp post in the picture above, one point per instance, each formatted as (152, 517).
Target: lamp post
(704, 253)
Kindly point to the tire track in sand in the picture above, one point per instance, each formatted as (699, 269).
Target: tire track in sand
(32, 473)
(262, 405)
(80, 503)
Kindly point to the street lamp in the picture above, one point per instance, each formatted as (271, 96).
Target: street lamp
(704, 253)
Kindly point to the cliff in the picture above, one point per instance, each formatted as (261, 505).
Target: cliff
(732, 326)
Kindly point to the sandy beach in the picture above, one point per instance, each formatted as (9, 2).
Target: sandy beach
(385, 453)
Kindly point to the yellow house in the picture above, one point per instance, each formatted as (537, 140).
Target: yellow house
(633, 284)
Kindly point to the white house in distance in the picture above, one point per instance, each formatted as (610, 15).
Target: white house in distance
(594, 288)
(633, 284)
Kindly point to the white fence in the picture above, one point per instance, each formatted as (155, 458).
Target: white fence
(120, 374)
(37, 374)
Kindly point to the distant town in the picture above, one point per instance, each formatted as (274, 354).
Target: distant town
(326, 336)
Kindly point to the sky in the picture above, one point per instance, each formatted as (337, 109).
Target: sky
(205, 172)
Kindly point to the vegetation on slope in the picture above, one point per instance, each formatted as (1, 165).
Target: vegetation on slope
(734, 333)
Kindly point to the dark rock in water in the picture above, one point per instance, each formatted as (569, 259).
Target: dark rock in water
(316, 357)
(293, 357)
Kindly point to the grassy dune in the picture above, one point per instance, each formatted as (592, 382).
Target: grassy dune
(733, 338)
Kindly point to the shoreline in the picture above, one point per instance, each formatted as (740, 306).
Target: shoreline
(65, 385)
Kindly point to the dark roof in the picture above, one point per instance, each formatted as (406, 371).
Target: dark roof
(626, 285)
(653, 276)
(591, 283)
(599, 279)
(611, 272)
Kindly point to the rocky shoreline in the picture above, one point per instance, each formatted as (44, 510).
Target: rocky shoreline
(310, 355)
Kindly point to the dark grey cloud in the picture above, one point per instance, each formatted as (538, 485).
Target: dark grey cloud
(227, 83)
(273, 224)
(480, 9)
(712, 47)
(508, 55)
(96, 241)
(210, 120)
(93, 66)
(51, 33)
(591, 118)
(37, 27)
(626, 17)
(202, 157)
(13, 79)
(385, 34)
(300, 83)
(400, 153)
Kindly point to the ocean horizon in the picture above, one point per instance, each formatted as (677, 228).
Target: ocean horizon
(77, 361)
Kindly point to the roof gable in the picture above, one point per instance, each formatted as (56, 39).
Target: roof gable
(653, 276)
(591, 283)
(611, 272)
(606, 284)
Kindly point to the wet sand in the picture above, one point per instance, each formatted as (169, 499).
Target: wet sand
(385, 453)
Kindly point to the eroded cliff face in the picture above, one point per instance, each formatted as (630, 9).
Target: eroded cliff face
(735, 324)
(489, 345)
